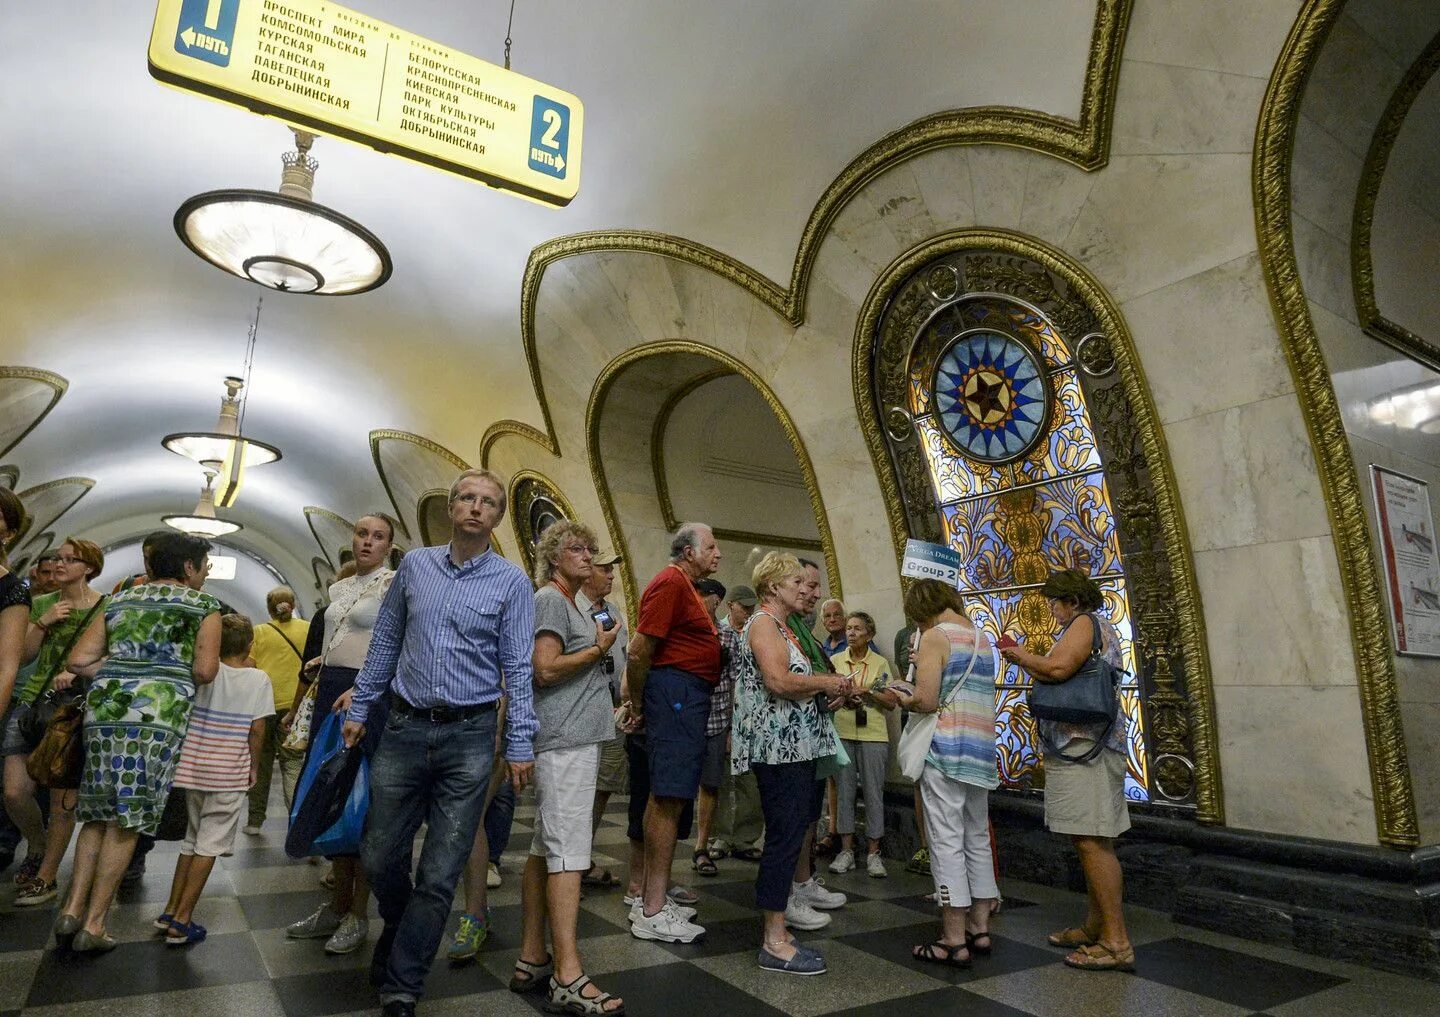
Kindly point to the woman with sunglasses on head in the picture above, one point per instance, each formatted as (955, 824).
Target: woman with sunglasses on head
(56, 622)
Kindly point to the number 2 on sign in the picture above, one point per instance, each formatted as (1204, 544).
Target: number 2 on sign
(553, 123)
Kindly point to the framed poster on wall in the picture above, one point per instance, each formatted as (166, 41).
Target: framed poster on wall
(1412, 566)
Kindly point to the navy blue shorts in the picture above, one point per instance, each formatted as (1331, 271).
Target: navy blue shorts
(677, 710)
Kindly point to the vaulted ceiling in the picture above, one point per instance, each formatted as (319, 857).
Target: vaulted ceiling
(722, 123)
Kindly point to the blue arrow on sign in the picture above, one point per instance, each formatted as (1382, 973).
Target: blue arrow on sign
(206, 30)
(549, 136)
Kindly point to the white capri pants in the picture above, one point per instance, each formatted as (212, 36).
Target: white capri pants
(957, 827)
(564, 807)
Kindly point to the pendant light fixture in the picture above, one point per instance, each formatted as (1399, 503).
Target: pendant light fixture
(226, 452)
(284, 241)
(203, 521)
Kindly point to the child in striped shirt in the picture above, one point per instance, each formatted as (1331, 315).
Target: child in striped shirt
(218, 765)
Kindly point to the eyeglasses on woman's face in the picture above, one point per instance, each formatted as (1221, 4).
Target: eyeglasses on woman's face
(581, 551)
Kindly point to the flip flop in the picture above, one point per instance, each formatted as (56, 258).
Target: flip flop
(602, 879)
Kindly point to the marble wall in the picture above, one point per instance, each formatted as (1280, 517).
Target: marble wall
(1168, 227)
(1364, 60)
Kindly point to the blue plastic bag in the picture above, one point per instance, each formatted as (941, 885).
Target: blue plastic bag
(331, 798)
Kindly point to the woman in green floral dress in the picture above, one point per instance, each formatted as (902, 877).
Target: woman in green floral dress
(155, 643)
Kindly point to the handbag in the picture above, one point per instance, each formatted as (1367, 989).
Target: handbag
(297, 739)
(58, 761)
(36, 717)
(920, 729)
(175, 819)
(1086, 697)
(326, 795)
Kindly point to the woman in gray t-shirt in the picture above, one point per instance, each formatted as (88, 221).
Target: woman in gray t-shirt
(572, 706)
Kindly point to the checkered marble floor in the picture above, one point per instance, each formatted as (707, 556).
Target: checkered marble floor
(247, 968)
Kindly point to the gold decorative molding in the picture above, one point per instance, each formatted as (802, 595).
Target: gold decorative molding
(520, 510)
(593, 408)
(514, 428)
(422, 505)
(1362, 270)
(313, 512)
(322, 583)
(50, 378)
(43, 521)
(388, 434)
(1396, 821)
(662, 484)
(1084, 143)
(1175, 539)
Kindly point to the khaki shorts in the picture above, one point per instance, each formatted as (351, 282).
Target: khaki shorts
(1086, 799)
(214, 821)
(614, 775)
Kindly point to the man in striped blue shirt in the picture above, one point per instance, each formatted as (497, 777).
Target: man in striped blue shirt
(455, 632)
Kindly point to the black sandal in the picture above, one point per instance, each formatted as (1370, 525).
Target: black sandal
(972, 941)
(826, 845)
(705, 868)
(749, 854)
(942, 953)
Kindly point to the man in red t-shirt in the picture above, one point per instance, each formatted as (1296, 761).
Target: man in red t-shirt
(672, 665)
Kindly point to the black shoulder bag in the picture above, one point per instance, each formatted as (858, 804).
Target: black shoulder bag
(37, 716)
(1087, 697)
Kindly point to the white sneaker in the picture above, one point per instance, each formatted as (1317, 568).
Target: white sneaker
(349, 936)
(875, 866)
(637, 905)
(813, 892)
(321, 925)
(666, 926)
(844, 862)
(252, 831)
(492, 876)
(800, 915)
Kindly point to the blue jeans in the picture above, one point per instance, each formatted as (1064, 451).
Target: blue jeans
(436, 774)
(498, 818)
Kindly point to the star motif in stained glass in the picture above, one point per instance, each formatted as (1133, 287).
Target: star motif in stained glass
(992, 395)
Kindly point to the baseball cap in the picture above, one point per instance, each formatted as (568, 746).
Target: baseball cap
(744, 596)
(711, 588)
(606, 558)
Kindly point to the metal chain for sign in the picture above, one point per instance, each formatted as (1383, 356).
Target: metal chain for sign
(508, 26)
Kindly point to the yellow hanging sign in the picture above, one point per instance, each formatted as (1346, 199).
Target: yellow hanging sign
(331, 70)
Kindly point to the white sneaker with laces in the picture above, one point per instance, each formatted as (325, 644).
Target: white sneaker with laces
(875, 866)
(321, 925)
(844, 862)
(665, 926)
(813, 892)
(637, 906)
(349, 936)
(800, 915)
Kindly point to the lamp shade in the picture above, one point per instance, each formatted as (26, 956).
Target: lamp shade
(282, 242)
(202, 522)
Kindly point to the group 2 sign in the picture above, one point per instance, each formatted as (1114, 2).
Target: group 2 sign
(924, 560)
(320, 66)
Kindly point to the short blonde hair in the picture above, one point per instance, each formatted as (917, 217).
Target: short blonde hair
(551, 541)
(489, 475)
(774, 569)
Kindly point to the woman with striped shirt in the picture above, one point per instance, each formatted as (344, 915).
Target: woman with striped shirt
(955, 668)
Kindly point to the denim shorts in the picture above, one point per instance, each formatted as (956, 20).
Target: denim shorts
(677, 709)
(12, 742)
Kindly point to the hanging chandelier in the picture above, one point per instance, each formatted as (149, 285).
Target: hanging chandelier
(203, 521)
(225, 453)
(284, 241)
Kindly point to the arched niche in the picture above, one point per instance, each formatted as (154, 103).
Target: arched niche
(1008, 417)
(46, 503)
(534, 504)
(641, 389)
(432, 513)
(324, 574)
(332, 532)
(27, 395)
(409, 466)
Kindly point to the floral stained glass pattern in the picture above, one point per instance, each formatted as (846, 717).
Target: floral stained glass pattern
(1014, 521)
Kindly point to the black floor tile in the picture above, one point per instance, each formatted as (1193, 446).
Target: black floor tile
(1248, 981)
(919, 904)
(951, 1002)
(26, 928)
(894, 945)
(680, 989)
(720, 938)
(134, 968)
(277, 910)
(742, 891)
(505, 924)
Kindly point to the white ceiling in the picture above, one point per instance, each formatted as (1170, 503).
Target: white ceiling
(722, 123)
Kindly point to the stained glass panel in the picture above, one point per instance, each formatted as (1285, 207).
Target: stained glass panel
(1015, 523)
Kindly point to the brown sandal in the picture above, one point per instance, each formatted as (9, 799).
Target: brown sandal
(1070, 938)
(1099, 957)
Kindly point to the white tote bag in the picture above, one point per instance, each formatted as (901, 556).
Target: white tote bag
(920, 730)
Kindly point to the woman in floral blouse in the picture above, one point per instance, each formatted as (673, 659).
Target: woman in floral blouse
(779, 730)
(154, 644)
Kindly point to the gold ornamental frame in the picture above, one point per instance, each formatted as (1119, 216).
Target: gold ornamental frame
(523, 537)
(1209, 797)
(1396, 822)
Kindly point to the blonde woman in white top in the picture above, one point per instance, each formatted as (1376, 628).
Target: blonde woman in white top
(349, 621)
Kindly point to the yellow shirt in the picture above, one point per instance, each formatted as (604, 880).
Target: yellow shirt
(865, 674)
(274, 656)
